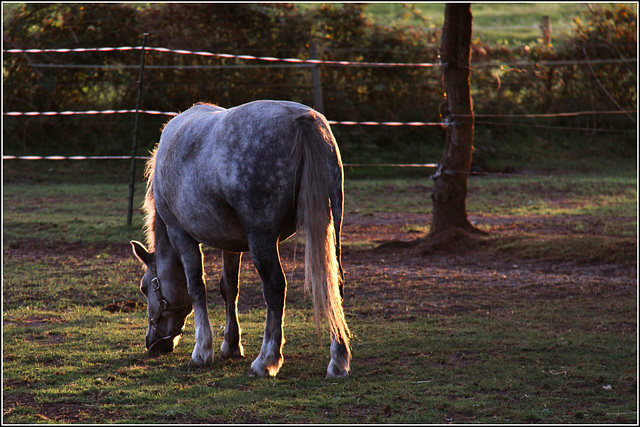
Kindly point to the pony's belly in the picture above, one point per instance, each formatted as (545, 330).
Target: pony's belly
(216, 226)
(228, 245)
(234, 239)
(222, 236)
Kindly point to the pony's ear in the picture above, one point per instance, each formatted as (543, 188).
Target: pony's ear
(141, 252)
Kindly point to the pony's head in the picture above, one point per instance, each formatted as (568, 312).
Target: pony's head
(168, 302)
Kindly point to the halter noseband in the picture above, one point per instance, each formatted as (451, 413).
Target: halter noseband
(165, 306)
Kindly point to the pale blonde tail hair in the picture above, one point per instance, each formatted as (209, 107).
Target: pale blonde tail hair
(312, 146)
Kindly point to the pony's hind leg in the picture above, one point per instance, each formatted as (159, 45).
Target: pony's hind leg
(231, 346)
(340, 358)
(340, 355)
(267, 261)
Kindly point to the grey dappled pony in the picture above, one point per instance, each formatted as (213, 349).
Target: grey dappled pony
(242, 179)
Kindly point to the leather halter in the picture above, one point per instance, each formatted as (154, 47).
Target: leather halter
(165, 306)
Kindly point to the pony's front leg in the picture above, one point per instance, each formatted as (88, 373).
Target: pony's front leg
(231, 346)
(192, 260)
(267, 261)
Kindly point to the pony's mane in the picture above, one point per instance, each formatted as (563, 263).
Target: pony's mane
(149, 206)
(206, 103)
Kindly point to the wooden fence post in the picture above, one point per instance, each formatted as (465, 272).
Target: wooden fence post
(315, 76)
(546, 30)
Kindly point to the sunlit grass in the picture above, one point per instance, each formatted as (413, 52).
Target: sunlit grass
(547, 196)
(505, 23)
(496, 370)
(509, 23)
(70, 212)
(577, 217)
(554, 196)
(74, 351)
(96, 212)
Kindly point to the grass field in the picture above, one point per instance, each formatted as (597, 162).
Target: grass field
(507, 23)
(535, 323)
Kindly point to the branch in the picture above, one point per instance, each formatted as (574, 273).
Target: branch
(593, 73)
(24, 55)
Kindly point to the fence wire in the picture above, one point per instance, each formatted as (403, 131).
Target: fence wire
(298, 62)
(307, 61)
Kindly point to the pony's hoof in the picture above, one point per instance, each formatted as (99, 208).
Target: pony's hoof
(334, 371)
(231, 353)
(254, 374)
(268, 368)
(202, 356)
(260, 370)
(201, 361)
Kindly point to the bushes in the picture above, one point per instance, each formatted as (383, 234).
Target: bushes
(285, 30)
(607, 32)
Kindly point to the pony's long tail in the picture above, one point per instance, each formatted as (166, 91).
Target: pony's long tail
(311, 150)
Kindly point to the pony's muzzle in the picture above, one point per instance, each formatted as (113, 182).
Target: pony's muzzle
(162, 345)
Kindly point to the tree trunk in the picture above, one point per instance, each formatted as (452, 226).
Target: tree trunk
(450, 190)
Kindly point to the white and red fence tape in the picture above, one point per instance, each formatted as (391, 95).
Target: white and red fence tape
(294, 61)
(229, 56)
(318, 61)
(396, 165)
(172, 113)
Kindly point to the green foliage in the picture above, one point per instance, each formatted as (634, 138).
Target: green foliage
(608, 32)
(342, 31)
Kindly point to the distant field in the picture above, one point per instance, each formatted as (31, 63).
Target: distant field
(512, 23)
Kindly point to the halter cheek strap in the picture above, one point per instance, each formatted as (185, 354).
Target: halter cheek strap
(165, 306)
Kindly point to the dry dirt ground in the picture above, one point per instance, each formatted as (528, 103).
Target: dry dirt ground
(396, 277)
(392, 279)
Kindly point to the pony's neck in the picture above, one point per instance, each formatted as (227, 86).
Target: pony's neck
(168, 263)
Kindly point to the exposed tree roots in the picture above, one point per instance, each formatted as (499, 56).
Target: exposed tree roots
(455, 240)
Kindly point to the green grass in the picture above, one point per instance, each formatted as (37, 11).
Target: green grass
(97, 212)
(578, 217)
(506, 23)
(424, 372)
(504, 195)
(554, 195)
(479, 368)
(555, 347)
(70, 212)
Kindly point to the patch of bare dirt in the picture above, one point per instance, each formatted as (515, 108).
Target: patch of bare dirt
(35, 320)
(69, 412)
(399, 278)
(66, 412)
(37, 249)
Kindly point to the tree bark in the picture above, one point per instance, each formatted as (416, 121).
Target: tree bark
(450, 190)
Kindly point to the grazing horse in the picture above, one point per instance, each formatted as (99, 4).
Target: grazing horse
(242, 179)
